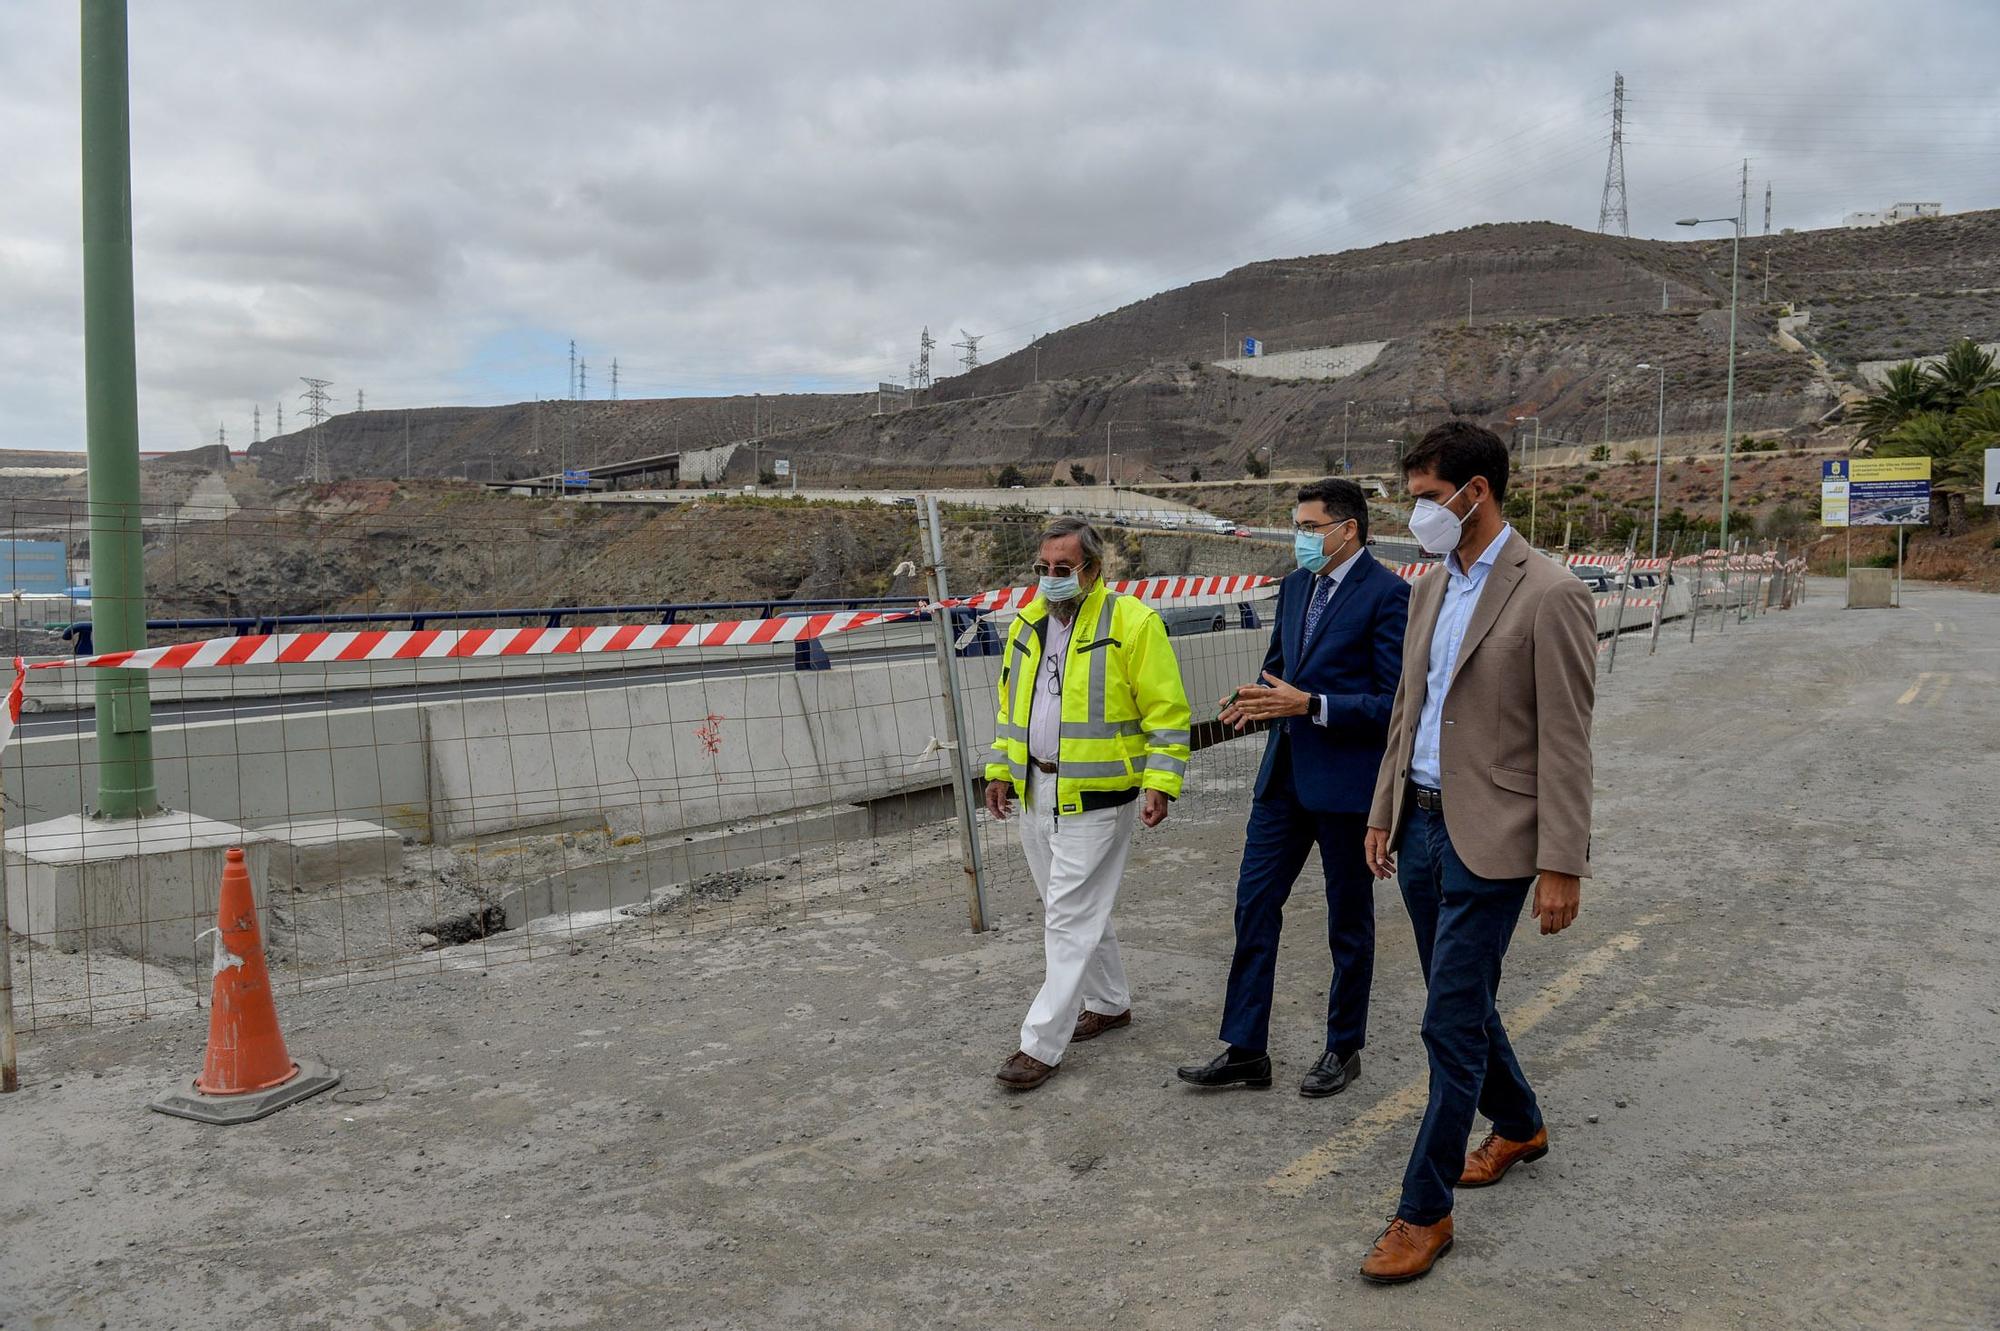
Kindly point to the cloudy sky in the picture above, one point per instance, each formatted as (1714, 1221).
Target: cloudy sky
(428, 201)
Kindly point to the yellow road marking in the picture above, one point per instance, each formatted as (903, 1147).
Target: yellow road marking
(1937, 690)
(1910, 695)
(1370, 1126)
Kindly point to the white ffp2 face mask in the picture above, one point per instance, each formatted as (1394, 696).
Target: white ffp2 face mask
(1437, 529)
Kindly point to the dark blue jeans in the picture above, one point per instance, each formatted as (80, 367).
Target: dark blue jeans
(1280, 837)
(1463, 923)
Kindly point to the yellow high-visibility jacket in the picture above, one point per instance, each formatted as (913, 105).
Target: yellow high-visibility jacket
(1124, 710)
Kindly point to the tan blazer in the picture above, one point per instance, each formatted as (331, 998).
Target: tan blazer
(1514, 741)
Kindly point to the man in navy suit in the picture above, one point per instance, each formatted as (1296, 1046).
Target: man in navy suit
(1328, 683)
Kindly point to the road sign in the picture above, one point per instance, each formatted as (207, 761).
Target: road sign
(1833, 486)
(1252, 347)
(1889, 492)
(575, 476)
(782, 467)
(1990, 496)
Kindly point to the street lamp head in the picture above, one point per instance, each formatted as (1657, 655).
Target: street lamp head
(1689, 221)
(1642, 365)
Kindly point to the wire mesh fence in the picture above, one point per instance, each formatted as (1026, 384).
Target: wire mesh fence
(418, 791)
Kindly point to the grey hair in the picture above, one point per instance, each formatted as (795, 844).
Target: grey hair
(1086, 536)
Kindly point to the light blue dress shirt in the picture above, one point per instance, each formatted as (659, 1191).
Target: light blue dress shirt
(1461, 598)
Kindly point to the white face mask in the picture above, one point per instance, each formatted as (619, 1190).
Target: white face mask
(1437, 529)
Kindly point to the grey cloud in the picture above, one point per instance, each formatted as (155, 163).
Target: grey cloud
(770, 193)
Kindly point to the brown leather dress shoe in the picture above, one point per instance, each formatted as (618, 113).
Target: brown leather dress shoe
(1093, 1024)
(1406, 1251)
(1496, 1155)
(1025, 1073)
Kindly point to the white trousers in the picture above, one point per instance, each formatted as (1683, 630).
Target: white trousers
(1077, 861)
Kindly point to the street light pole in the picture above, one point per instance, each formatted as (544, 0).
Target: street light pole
(1344, 468)
(1659, 448)
(125, 782)
(1729, 401)
(1225, 335)
(1534, 487)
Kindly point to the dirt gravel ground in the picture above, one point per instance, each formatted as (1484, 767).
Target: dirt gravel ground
(1767, 1051)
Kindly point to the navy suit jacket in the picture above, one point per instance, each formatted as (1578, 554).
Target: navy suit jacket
(1355, 657)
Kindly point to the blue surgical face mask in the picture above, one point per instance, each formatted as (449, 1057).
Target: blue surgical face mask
(1056, 590)
(1307, 548)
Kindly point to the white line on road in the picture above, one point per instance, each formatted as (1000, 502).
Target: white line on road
(1328, 1157)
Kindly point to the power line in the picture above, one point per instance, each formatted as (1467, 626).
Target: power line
(1611, 208)
(316, 400)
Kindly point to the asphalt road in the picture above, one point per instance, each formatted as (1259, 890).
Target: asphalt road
(1768, 1051)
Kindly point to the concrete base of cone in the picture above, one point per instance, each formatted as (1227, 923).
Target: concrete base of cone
(312, 1078)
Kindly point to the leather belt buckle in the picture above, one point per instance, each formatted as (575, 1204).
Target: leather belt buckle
(1429, 800)
(1046, 769)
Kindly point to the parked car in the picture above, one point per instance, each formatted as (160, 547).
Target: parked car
(1181, 620)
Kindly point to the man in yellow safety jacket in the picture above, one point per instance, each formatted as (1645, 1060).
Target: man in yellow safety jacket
(1093, 735)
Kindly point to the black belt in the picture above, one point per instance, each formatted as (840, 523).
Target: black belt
(1048, 769)
(1427, 798)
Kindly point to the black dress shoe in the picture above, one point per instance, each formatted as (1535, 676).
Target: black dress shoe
(1331, 1075)
(1222, 1070)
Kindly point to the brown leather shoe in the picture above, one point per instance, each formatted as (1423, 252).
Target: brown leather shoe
(1093, 1024)
(1496, 1155)
(1025, 1073)
(1406, 1251)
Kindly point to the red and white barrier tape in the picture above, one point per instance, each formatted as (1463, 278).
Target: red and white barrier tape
(468, 644)
(1146, 589)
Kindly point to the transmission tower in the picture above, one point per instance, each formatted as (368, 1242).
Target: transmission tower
(614, 378)
(256, 422)
(970, 360)
(1743, 203)
(360, 399)
(924, 345)
(221, 435)
(280, 429)
(572, 367)
(1611, 211)
(583, 378)
(316, 400)
(1767, 207)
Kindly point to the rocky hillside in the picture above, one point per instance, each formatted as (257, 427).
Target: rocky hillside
(1559, 320)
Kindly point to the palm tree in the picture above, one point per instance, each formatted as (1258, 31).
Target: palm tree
(1963, 374)
(1941, 438)
(1906, 392)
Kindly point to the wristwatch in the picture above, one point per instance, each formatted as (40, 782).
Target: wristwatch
(1315, 704)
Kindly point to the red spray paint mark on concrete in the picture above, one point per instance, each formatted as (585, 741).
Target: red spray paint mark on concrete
(710, 735)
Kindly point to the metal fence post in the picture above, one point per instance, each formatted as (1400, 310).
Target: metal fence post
(1694, 606)
(1660, 602)
(1624, 595)
(1728, 557)
(10, 1074)
(956, 729)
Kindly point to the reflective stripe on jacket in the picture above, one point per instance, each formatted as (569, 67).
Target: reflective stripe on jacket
(1125, 713)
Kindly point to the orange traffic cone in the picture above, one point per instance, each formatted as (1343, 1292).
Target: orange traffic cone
(247, 1061)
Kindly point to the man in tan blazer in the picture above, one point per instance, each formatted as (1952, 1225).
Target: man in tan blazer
(1484, 792)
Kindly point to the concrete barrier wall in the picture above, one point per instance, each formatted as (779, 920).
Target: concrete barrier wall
(353, 763)
(667, 758)
(646, 760)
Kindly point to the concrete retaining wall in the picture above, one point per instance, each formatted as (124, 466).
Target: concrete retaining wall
(647, 760)
(350, 764)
